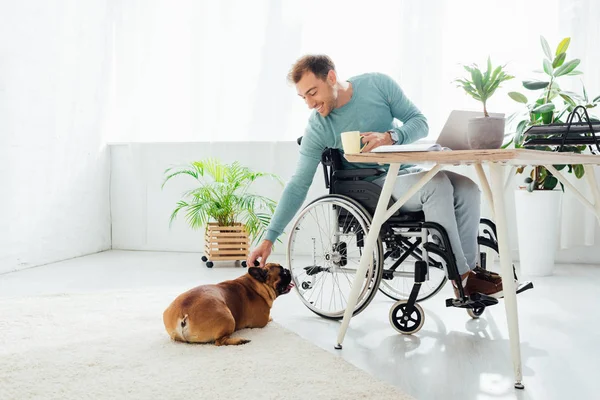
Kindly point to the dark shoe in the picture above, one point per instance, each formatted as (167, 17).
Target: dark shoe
(491, 276)
(487, 275)
(477, 284)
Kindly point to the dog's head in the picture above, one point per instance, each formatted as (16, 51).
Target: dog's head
(273, 275)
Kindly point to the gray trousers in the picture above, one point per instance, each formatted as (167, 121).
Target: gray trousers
(450, 199)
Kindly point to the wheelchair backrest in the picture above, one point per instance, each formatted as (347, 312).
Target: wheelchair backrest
(364, 192)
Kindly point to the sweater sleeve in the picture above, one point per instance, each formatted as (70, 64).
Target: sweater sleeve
(296, 189)
(414, 122)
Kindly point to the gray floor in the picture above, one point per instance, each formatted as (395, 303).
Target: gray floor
(452, 357)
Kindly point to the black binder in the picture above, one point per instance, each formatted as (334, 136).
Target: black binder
(583, 132)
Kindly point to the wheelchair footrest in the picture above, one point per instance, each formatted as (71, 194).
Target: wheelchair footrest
(475, 300)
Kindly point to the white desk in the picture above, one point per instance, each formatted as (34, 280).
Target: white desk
(495, 159)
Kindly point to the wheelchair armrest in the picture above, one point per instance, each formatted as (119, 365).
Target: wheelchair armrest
(357, 173)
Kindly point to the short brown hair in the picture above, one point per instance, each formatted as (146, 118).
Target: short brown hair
(319, 64)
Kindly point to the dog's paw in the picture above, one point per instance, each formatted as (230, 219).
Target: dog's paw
(270, 318)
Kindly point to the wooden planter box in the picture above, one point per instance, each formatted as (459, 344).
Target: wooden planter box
(226, 243)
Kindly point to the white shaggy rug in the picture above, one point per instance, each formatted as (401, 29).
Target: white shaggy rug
(114, 346)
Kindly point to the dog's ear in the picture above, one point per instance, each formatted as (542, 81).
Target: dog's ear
(258, 273)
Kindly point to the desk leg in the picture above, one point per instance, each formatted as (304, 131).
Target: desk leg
(590, 176)
(510, 294)
(372, 235)
(486, 188)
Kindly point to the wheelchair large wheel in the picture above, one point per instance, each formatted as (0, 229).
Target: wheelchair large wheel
(324, 250)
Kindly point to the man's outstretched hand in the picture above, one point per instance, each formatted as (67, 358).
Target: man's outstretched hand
(262, 252)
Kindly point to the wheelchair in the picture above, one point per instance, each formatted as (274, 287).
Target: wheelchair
(327, 238)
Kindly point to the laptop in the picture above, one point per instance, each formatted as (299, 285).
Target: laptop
(453, 135)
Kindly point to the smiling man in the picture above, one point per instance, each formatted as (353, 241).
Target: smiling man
(370, 103)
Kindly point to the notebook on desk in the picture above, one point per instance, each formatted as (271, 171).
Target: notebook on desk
(402, 148)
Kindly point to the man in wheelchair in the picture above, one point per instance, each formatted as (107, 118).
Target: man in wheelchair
(449, 203)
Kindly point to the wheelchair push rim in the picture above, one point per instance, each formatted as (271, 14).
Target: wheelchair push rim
(324, 250)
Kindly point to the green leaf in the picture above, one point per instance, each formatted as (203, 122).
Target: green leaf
(559, 60)
(548, 67)
(518, 97)
(563, 46)
(585, 96)
(488, 72)
(568, 99)
(544, 108)
(550, 183)
(535, 85)
(572, 95)
(519, 133)
(559, 167)
(547, 117)
(546, 47)
(579, 170)
(596, 99)
(478, 81)
(567, 67)
(573, 73)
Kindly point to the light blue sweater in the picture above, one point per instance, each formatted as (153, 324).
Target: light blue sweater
(376, 101)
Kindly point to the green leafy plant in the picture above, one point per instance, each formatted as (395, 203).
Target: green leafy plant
(222, 195)
(482, 85)
(551, 105)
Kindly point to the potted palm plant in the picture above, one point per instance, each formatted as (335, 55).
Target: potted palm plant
(485, 132)
(222, 204)
(538, 201)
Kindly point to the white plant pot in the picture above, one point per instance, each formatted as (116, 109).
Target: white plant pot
(485, 133)
(537, 215)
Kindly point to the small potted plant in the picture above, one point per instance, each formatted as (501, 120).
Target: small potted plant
(484, 132)
(222, 204)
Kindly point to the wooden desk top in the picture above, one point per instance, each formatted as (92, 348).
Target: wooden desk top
(455, 157)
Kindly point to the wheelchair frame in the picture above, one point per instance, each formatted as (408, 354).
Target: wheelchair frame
(406, 316)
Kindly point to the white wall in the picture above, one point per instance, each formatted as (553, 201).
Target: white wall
(54, 168)
(141, 210)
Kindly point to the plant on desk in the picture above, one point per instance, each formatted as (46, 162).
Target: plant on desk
(552, 105)
(221, 203)
(486, 132)
(538, 207)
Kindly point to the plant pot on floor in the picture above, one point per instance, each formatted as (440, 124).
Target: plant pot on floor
(225, 243)
(485, 133)
(537, 215)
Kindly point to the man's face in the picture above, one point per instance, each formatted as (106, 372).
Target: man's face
(318, 93)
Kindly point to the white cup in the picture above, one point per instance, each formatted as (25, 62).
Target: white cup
(351, 142)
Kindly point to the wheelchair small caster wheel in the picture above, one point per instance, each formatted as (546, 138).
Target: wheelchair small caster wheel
(210, 264)
(337, 346)
(519, 385)
(244, 264)
(403, 322)
(204, 259)
(306, 285)
(475, 312)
